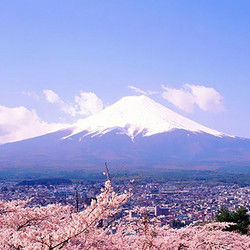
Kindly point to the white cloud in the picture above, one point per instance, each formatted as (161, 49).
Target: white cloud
(88, 103)
(143, 92)
(207, 99)
(20, 123)
(51, 96)
(180, 98)
(33, 95)
(68, 109)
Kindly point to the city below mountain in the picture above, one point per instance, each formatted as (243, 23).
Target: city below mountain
(135, 131)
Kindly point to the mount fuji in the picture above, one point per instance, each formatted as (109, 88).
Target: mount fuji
(134, 115)
(135, 131)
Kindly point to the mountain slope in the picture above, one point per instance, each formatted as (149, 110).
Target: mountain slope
(160, 139)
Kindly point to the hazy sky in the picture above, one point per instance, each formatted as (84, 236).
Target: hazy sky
(64, 60)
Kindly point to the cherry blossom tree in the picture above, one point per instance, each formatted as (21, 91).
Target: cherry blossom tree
(56, 226)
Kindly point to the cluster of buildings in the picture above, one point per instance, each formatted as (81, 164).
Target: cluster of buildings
(175, 203)
(182, 205)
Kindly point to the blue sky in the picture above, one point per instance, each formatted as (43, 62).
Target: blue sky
(65, 60)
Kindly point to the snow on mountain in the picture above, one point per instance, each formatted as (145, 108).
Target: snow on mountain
(133, 115)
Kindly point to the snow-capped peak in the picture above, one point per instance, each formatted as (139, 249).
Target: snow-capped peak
(138, 114)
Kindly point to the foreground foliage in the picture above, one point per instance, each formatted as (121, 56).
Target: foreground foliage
(240, 218)
(59, 227)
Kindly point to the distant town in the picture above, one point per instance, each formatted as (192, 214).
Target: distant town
(178, 204)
